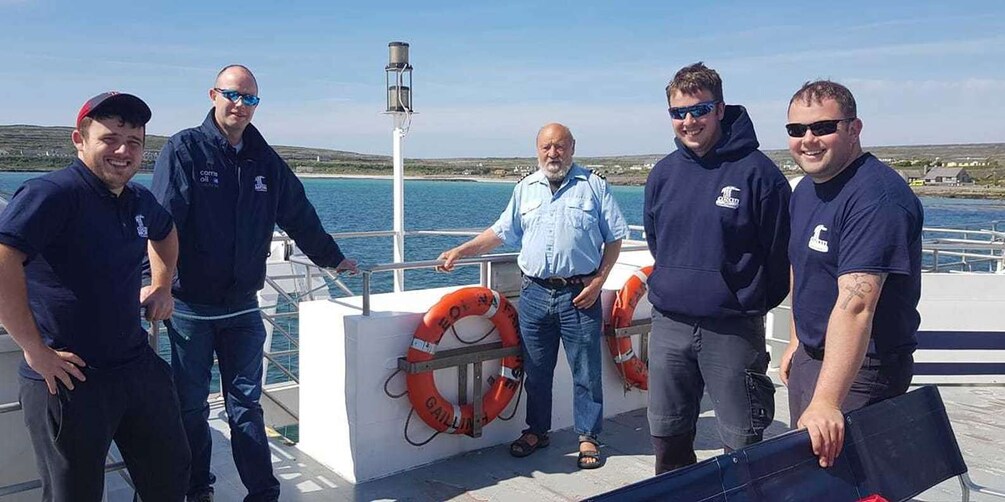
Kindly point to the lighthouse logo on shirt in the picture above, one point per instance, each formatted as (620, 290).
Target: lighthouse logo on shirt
(727, 199)
(141, 229)
(816, 242)
(260, 185)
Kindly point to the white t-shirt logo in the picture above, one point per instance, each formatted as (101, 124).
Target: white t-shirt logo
(260, 184)
(816, 242)
(141, 229)
(726, 199)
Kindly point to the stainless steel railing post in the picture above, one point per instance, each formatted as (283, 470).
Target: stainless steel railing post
(366, 292)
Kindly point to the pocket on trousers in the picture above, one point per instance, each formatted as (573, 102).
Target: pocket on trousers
(54, 408)
(761, 396)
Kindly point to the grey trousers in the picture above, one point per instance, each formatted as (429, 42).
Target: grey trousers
(726, 357)
(878, 379)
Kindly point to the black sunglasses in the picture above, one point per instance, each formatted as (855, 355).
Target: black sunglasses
(819, 128)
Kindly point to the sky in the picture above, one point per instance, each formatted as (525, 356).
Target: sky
(488, 74)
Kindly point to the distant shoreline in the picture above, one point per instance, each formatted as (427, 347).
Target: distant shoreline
(977, 192)
(463, 179)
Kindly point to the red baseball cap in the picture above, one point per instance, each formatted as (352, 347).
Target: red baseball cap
(115, 101)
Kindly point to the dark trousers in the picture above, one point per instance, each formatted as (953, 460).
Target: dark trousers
(878, 379)
(135, 406)
(726, 357)
(238, 344)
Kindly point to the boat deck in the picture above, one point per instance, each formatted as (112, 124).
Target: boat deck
(491, 474)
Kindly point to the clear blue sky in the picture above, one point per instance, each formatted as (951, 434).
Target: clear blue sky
(488, 74)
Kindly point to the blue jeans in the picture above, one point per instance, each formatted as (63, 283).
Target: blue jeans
(547, 316)
(238, 343)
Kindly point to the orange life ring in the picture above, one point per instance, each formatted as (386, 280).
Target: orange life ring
(633, 371)
(429, 404)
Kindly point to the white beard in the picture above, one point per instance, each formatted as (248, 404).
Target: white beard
(553, 175)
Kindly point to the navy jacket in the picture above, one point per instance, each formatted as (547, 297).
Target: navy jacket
(718, 227)
(226, 205)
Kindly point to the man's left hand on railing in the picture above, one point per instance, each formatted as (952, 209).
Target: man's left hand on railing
(449, 257)
(347, 265)
(158, 302)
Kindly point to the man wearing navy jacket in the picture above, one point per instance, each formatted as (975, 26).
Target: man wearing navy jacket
(856, 262)
(227, 189)
(72, 244)
(716, 221)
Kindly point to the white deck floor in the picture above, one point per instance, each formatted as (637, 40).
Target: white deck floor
(977, 414)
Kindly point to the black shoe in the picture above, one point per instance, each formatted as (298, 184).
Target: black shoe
(201, 497)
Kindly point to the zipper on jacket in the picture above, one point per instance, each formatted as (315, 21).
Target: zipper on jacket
(237, 218)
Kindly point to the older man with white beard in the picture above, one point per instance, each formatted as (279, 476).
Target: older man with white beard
(569, 229)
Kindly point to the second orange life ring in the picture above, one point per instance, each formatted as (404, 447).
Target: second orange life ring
(633, 371)
(429, 404)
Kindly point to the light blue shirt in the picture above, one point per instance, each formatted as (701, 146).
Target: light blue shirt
(561, 235)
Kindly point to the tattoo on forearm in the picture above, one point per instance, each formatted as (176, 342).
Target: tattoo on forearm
(863, 285)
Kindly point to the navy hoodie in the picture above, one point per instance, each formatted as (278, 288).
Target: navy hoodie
(226, 204)
(718, 227)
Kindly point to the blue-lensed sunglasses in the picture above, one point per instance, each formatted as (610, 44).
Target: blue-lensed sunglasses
(698, 110)
(232, 96)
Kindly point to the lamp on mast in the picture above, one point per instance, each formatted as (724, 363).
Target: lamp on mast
(398, 80)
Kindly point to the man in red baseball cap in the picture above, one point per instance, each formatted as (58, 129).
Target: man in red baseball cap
(72, 244)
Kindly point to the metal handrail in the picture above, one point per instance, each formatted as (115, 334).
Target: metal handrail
(460, 232)
(993, 233)
(945, 252)
(982, 247)
(481, 261)
(963, 244)
(449, 232)
(37, 483)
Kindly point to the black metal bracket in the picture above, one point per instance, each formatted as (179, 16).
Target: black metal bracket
(460, 358)
(638, 327)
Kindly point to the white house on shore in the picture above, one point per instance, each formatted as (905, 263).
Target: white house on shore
(948, 176)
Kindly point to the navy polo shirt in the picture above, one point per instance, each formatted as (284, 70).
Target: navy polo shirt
(865, 219)
(85, 250)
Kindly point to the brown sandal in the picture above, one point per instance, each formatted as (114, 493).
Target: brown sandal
(521, 447)
(589, 459)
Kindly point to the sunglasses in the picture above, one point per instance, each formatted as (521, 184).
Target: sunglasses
(233, 96)
(698, 110)
(819, 128)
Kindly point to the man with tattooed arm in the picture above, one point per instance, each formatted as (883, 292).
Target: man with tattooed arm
(855, 250)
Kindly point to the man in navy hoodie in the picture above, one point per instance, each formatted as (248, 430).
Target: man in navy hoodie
(856, 262)
(227, 189)
(716, 221)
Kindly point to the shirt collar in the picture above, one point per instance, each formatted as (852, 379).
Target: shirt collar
(576, 171)
(96, 184)
(249, 139)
